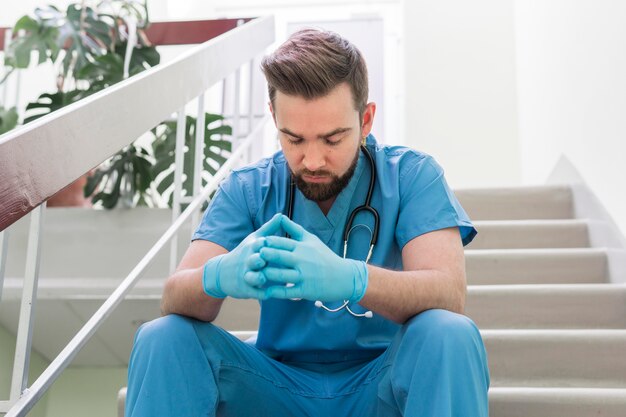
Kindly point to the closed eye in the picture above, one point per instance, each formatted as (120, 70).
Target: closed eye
(294, 140)
(335, 138)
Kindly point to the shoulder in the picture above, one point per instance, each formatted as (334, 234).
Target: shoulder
(402, 161)
(260, 187)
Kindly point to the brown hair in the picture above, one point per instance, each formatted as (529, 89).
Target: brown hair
(312, 62)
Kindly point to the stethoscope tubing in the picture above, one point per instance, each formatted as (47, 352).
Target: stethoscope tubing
(348, 228)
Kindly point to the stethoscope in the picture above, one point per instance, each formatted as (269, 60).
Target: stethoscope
(349, 227)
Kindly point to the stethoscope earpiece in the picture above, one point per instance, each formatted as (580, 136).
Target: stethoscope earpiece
(368, 314)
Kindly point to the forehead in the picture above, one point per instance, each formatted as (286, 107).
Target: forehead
(336, 109)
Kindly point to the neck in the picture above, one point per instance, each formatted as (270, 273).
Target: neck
(326, 205)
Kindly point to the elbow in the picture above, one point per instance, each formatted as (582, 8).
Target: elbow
(457, 304)
(165, 298)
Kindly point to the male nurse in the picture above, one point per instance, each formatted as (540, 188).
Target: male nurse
(346, 329)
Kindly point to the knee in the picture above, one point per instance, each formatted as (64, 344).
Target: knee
(442, 328)
(165, 333)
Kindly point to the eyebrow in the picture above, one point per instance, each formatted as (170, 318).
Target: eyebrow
(322, 136)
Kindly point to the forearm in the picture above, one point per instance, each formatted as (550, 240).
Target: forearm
(400, 295)
(183, 294)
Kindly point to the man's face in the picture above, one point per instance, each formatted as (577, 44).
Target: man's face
(320, 139)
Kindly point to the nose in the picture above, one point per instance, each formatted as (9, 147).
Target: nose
(314, 157)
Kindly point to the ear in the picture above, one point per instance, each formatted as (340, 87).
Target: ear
(368, 118)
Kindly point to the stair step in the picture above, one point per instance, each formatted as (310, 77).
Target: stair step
(557, 358)
(575, 306)
(550, 306)
(556, 402)
(523, 234)
(536, 266)
(517, 203)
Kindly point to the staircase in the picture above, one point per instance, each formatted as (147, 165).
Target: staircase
(552, 323)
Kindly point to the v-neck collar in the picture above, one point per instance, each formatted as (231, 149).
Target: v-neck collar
(322, 225)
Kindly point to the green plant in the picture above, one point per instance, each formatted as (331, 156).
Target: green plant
(88, 45)
(8, 119)
(130, 176)
(164, 151)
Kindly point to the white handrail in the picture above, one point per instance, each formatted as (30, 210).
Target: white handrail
(83, 134)
(39, 387)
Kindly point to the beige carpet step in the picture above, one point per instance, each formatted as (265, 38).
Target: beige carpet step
(548, 202)
(573, 306)
(556, 402)
(557, 358)
(523, 234)
(536, 266)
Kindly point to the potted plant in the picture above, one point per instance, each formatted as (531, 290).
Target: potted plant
(89, 45)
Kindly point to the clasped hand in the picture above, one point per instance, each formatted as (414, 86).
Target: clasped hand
(301, 266)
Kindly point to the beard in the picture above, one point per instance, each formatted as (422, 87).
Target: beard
(322, 192)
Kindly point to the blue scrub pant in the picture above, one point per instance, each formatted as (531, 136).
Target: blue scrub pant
(436, 366)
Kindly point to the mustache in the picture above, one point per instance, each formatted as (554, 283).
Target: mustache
(318, 173)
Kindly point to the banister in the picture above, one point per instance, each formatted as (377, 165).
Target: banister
(52, 372)
(44, 156)
(182, 32)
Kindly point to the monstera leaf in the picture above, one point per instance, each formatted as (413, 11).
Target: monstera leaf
(127, 175)
(38, 36)
(83, 36)
(79, 32)
(8, 119)
(108, 69)
(165, 145)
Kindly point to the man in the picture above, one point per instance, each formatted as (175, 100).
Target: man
(337, 336)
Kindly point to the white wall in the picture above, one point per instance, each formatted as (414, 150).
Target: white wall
(461, 103)
(572, 93)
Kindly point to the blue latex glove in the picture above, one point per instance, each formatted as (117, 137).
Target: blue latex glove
(315, 271)
(224, 275)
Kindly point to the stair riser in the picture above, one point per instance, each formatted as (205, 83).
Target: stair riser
(549, 267)
(527, 236)
(556, 361)
(520, 308)
(537, 404)
(517, 203)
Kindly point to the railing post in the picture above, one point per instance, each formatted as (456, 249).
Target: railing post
(179, 159)
(255, 146)
(236, 110)
(198, 166)
(29, 297)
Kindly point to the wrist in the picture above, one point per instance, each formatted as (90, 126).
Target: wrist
(211, 278)
(360, 280)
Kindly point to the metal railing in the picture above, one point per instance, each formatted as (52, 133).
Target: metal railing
(84, 134)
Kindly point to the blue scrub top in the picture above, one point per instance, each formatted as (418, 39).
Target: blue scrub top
(412, 198)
